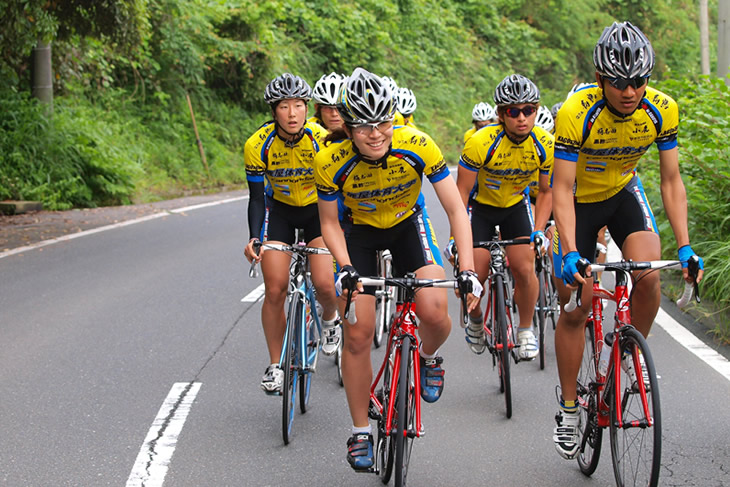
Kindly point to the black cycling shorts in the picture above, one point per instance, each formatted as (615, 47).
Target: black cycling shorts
(282, 220)
(624, 213)
(514, 221)
(412, 243)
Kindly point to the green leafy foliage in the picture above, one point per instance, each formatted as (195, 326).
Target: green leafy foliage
(704, 154)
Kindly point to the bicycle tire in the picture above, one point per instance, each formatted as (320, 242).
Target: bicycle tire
(591, 433)
(539, 318)
(636, 450)
(291, 375)
(338, 361)
(386, 445)
(502, 341)
(309, 358)
(405, 402)
(383, 305)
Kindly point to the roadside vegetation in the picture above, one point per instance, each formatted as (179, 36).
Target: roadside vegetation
(121, 129)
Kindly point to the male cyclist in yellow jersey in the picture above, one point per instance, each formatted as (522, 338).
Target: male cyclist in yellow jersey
(279, 159)
(502, 159)
(602, 132)
(373, 171)
(481, 115)
(325, 94)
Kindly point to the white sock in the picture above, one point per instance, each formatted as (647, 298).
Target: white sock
(330, 323)
(426, 355)
(364, 430)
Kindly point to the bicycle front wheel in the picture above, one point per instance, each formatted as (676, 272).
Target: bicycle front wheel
(591, 433)
(310, 355)
(636, 442)
(406, 421)
(289, 365)
(386, 440)
(539, 318)
(502, 341)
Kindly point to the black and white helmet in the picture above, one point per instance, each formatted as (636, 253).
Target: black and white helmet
(327, 89)
(544, 118)
(516, 89)
(406, 101)
(391, 84)
(287, 86)
(366, 98)
(554, 110)
(623, 51)
(483, 112)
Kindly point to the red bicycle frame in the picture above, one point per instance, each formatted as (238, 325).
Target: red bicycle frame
(622, 317)
(403, 326)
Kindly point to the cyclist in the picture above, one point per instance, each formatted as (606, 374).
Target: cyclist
(325, 94)
(502, 159)
(602, 132)
(406, 106)
(279, 160)
(481, 115)
(373, 170)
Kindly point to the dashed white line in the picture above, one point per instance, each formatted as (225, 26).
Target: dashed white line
(154, 457)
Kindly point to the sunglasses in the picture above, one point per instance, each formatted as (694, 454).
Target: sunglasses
(367, 128)
(622, 83)
(514, 112)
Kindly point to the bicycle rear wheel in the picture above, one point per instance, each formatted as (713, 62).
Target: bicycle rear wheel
(636, 443)
(289, 365)
(406, 421)
(591, 433)
(309, 358)
(502, 342)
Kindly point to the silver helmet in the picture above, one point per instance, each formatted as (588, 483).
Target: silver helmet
(544, 119)
(366, 98)
(516, 89)
(327, 89)
(483, 112)
(406, 101)
(287, 86)
(623, 51)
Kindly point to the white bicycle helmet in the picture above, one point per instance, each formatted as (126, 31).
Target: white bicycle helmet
(406, 101)
(287, 86)
(544, 119)
(391, 84)
(578, 87)
(623, 51)
(327, 89)
(483, 112)
(366, 98)
(516, 89)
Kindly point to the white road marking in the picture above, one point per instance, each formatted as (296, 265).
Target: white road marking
(154, 457)
(682, 335)
(254, 295)
(92, 231)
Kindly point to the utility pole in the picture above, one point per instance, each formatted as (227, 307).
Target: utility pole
(704, 38)
(723, 40)
(43, 74)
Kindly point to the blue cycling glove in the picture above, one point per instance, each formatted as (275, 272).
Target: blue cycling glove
(570, 267)
(685, 252)
(540, 236)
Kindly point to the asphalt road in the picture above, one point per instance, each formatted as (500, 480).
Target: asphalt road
(96, 331)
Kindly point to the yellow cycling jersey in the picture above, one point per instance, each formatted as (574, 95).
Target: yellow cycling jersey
(607, 146)
(399, 119)
(314, 119)
(287, 170)
(504, 168)
(384, 193)
(469, 133)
